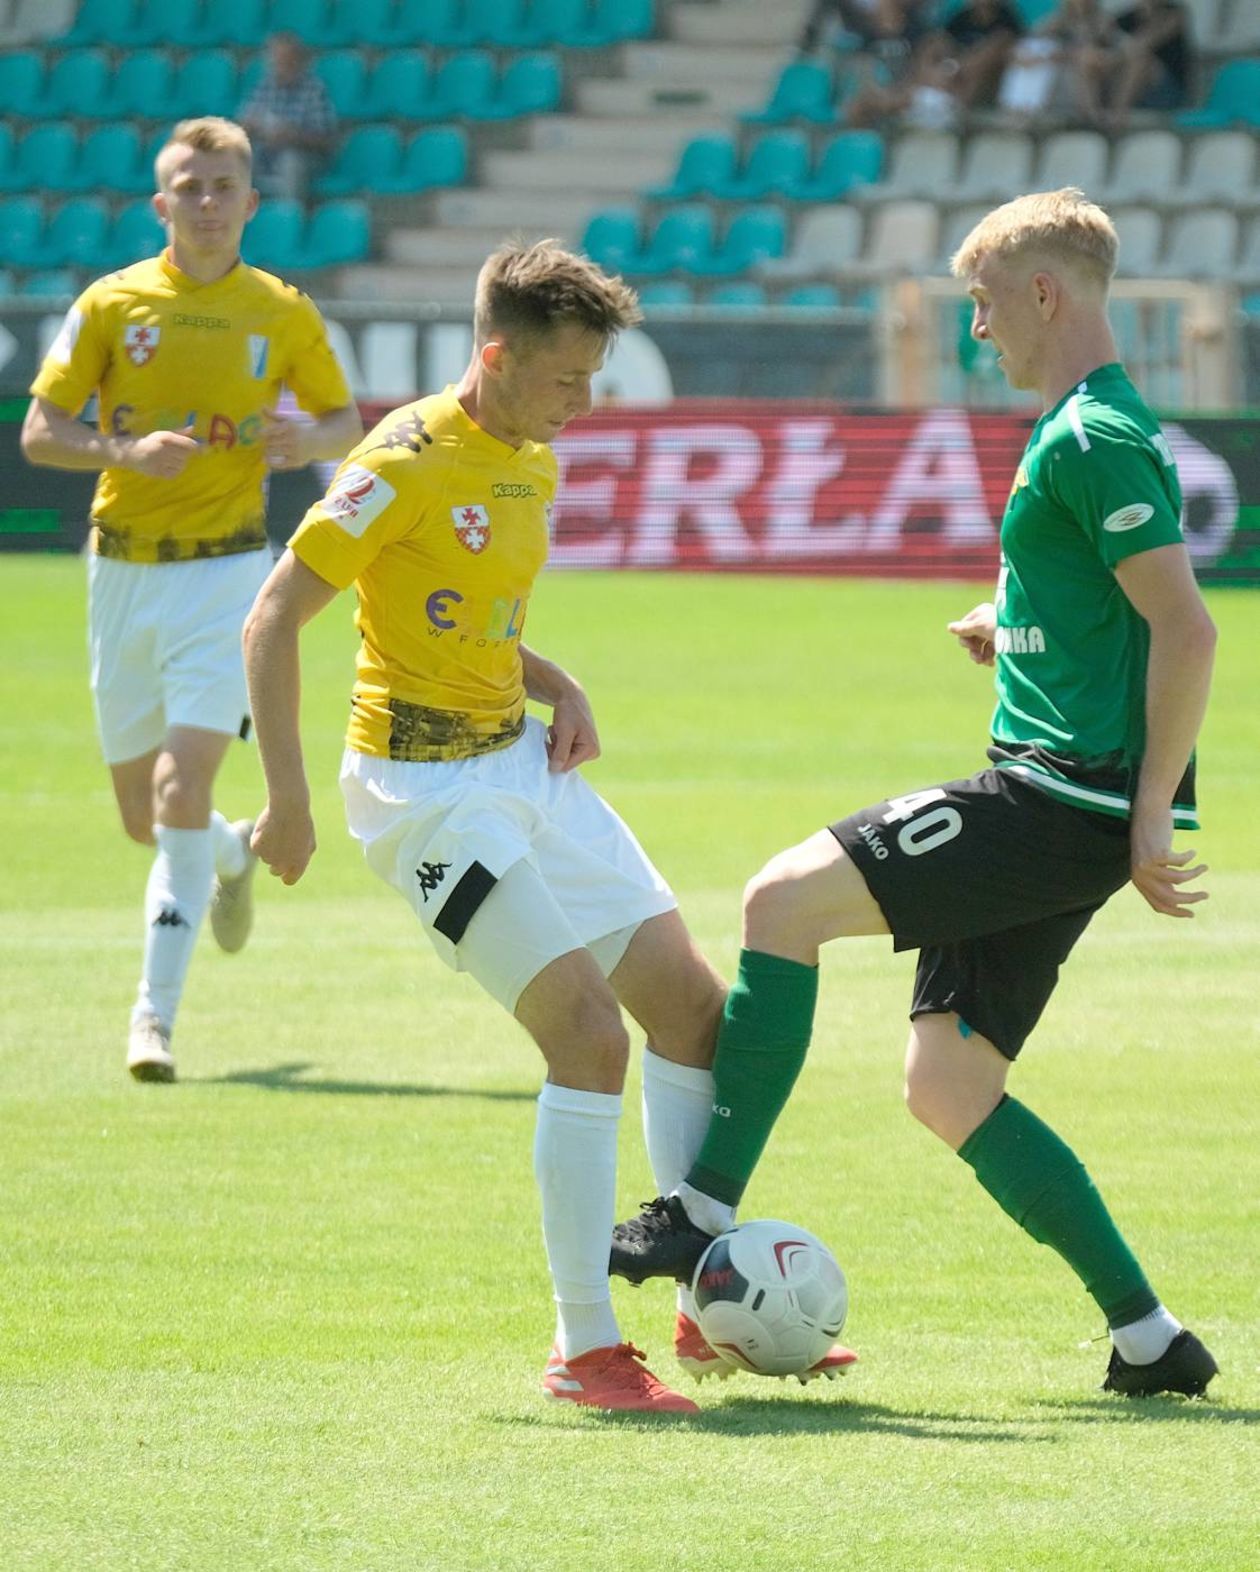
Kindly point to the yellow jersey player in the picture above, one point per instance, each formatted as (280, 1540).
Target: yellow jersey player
(187, 354)
(474, 810)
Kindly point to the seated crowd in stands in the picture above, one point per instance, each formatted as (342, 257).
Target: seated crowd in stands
(1081, 64)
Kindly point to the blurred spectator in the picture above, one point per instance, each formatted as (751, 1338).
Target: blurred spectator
(978, 40)
(1050, 67)
(922, 97)
(882, 26)
(290, 120)
(1150, 65)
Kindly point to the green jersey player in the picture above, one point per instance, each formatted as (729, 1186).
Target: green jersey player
(1103, 653)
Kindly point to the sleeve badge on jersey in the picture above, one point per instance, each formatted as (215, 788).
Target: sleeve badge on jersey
(141, 343)
(359, 496)
(472, 527)
(1128, 518)
(62, 347)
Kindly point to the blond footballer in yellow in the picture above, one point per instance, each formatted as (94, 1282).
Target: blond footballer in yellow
(474, 810)
(187, 354)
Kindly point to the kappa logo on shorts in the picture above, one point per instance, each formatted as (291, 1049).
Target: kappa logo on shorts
(472, 527)
(141, 343)
(430, 875)
(1128, 518)
(359, 496)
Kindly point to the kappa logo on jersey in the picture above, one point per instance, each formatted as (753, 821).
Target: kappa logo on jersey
(359, 496)
(141, 343)
(472, 527)
(1128, 518)
(259, 345)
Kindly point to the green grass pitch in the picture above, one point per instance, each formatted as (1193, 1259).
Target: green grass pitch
(292, 1312)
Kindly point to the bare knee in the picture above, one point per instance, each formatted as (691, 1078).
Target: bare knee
(773, 911)
(586, 1044)
(138, 825)
(953, 1082)
(179, 797)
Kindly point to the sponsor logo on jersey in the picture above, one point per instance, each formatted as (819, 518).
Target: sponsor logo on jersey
(1128, 518)
(1019, 641)
(472, 527)
(183, 319)
(358, 497)
(259, 345)
(512, 488)
(141, 343)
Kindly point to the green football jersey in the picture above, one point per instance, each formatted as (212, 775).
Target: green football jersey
(1097, 483)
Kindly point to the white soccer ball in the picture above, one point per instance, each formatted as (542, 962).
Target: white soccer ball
(770, 1297)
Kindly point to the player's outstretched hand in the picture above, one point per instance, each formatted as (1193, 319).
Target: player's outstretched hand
(284, 841)
(284, 440)
(975, 632)
(163, 454)
(1159, 873)
(571, 737)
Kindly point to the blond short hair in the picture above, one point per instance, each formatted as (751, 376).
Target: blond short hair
(209, 134)
(528, 291)
(1062, 226)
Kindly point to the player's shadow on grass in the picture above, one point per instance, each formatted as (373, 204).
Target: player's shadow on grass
(1167, 1408)
(749, 1416)
(287, 1078)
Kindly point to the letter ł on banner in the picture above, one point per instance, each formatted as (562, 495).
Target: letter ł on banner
(806, 463)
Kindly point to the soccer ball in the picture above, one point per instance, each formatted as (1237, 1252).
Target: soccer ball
(770, 1297)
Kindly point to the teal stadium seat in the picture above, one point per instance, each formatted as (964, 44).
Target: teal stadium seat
(362, 22)
(154, 22)
(744, 293)
(109, 160)
(1233, 99)
(531, 85)
(21, 83)
(368, 160)
(344, 73)
(464, 87)
(667, 292)
(433, 158)
(778, 159)
(98, 22)
(142, 86)
(812, 297)
(611, 238)
(616, 21)
(853, 158)
(180, 24)
(558, 22)
(437, 22)
(804, 91)
(135, 234)
(400, 87)
(77, 84)
(46, 157)
(8, 158)
(498, 23)
(77, 234)
(706, 163)
(756, 234)
(309, 19)
(21, 231)
(53, 283)
(338, 233)
(241, 24)
(682, 241)
(206, 84)
(273, 237)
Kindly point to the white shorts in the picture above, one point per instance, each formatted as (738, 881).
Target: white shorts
(506, 865)
(165, 646)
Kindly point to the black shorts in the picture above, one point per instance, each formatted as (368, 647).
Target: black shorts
(992, 880)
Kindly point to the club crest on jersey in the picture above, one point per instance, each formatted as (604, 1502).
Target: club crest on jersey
(472, 527)
(141, 343)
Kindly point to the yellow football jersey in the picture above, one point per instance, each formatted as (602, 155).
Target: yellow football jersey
(442, 529)
(165, 352)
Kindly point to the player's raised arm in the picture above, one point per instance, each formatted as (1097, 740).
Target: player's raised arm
(284, 836)
(571, 738)
(291, 441)
(1160, 586)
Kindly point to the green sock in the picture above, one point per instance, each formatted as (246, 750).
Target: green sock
(760, 1049)
(1043, 1185)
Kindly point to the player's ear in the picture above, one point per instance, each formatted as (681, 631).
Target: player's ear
(159, 206)
(492, 356)
(251, 207)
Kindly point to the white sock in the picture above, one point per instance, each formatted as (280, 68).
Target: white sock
(1143, 1342)
(714, 1217)
(575, 1163)
(677, 1106)
(229, 854)
(175, 901)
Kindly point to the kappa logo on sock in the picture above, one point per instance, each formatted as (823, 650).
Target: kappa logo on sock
(168, 917)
